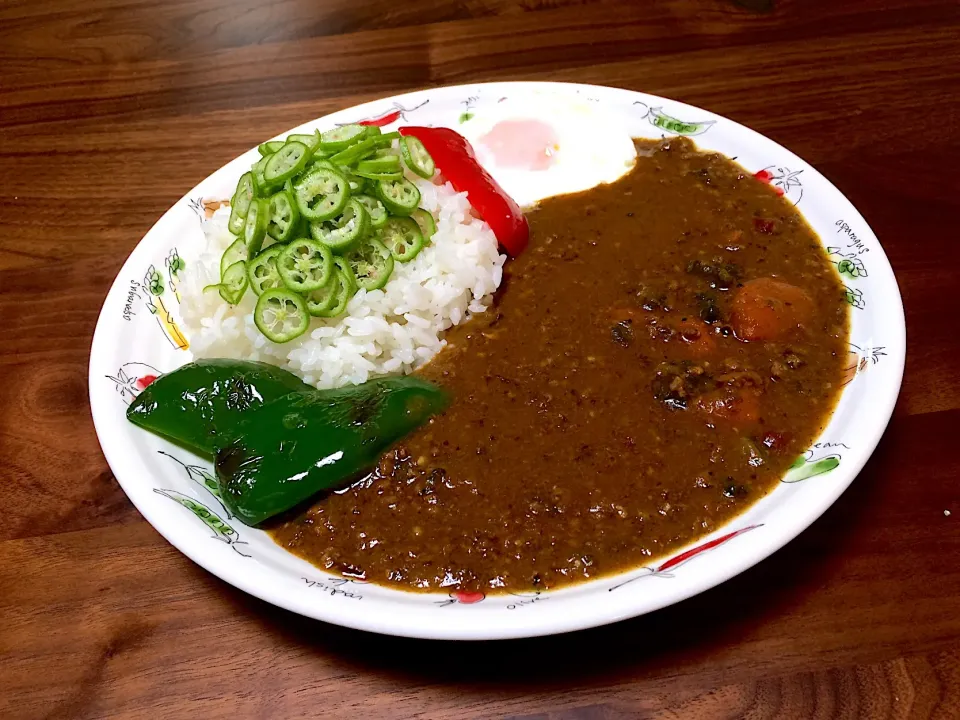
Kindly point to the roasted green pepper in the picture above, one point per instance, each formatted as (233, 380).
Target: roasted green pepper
(303, 443)
(200, 404)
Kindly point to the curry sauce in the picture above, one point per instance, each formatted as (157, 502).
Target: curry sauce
(654, 362)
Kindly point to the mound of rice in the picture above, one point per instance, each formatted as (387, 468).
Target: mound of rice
(384, 332)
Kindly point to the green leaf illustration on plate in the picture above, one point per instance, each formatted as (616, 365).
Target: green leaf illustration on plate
(153, 281)
(202, 477)
(175, 263)
(853, 297)
(660, 119)
(802, 468)
(849, 265)
(221, 529)
(468, 106)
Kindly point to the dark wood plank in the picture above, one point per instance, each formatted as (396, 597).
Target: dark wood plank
(383, 60)
(918, 686)
(103, 32)
(110, 31)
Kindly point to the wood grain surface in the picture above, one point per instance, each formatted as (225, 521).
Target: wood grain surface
(111, 109)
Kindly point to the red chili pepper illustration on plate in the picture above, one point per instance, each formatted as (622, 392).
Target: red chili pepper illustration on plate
(860, 360)
(663, 570)
(784, 181)
(462, 597)
(382, 120)
(132, 377)
(765, 176)
(391, 116)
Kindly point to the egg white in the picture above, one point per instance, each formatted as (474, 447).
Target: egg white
(592, 148)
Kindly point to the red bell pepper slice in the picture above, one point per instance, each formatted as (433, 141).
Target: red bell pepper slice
(454, 158)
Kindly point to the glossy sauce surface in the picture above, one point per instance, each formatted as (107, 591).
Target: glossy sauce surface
(656, 360)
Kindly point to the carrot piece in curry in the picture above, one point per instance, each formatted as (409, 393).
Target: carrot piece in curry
(769, 309)
(697, 337)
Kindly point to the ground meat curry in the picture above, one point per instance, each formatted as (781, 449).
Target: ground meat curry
(657, 358)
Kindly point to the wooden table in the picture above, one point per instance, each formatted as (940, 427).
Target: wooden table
(111, 109)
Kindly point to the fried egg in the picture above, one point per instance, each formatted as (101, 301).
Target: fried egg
(541, 146)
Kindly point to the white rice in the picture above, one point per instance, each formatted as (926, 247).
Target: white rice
(384, 332)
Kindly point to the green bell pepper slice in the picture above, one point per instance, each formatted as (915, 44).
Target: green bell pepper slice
(199, 404)
(302, 444)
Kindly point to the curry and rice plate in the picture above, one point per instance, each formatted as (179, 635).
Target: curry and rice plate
(649, 367)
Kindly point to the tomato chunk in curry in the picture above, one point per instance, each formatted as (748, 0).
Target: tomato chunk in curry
(655, 361)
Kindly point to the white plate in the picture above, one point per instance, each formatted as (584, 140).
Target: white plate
(137, 336)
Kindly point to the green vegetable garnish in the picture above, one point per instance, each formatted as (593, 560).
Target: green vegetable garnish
(355, 152)
(261, 187)
(305, 265)
(304, 443)
(416, 157)
(281, 315)
(371, 263)
(240, 203)
(284, 216)
(400, 197)
(341, 137)
(428, 226)
(385, 140)
(375, 208)
(269, 148)
(402, 237)
(382, 162)
(322, 193)
(235, 253)
(199, 404)
(262, 270)
(331, 300)
(346, 189)
(255, 226)
(286, 162)
(343, 232)
(311, 141)
(233, 284)
(390, 175)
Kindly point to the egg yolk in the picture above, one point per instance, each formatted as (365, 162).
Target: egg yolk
(522, 144)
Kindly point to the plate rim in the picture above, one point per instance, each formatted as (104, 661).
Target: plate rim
(469, 627)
